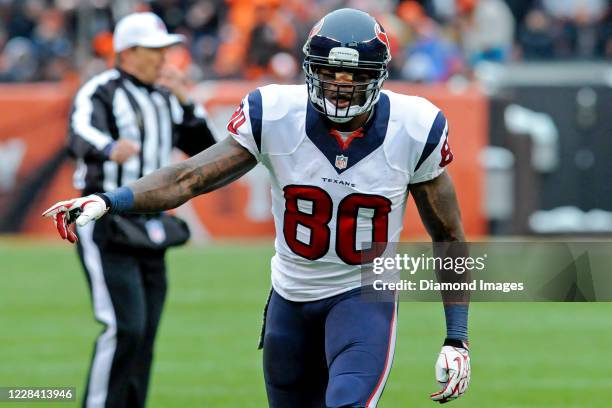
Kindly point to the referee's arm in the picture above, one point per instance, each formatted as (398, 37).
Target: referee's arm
(89, 133)
(192, 129)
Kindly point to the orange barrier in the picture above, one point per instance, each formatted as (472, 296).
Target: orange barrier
(468, 117)
(33, 120)
(37, 115)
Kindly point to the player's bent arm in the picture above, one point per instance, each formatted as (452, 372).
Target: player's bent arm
(171, 186)
(437, 204)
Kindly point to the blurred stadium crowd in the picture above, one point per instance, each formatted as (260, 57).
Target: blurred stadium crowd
(432, 40)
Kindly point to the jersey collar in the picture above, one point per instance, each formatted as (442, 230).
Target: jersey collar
(343, 156)
(344, 144)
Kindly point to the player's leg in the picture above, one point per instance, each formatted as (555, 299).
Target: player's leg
(359, 343)
(153, 268)
(118, 303)
(295, 370)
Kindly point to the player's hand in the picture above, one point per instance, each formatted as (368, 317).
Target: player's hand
(122, 150)
(452, 373)
(80, 210)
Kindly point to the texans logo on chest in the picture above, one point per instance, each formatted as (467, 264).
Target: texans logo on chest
(340, 154)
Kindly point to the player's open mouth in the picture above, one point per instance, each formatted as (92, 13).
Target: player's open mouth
(340, 102)
(343, 103)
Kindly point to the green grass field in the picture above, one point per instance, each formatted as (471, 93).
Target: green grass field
(523, 354)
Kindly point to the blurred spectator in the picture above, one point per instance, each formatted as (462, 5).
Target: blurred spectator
(18, 61)
(571, 9)
(22, 17)
(204, 17)
(604, 43)
(579, 20)
(429, 56)
(431, 40)
(487, 30)
(3, 38)
(171, 11)
(272, 33)
(537, 36)
(103, 55)
(53, 47)
(520, 8)
(443, 11)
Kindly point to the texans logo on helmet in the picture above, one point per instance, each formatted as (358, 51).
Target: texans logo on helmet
(381, 35)
(315, 30)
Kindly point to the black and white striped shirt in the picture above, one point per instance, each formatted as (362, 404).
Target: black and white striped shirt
(114, 105)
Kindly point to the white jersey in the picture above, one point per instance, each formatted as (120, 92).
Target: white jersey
(331, 198)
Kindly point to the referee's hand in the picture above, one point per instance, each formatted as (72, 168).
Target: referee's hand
(122, 150)
(175, 80)
(80, 210)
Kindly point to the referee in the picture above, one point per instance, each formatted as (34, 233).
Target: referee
(123, 126)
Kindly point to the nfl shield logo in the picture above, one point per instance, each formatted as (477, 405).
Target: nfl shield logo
(341, 162)
(155, 230)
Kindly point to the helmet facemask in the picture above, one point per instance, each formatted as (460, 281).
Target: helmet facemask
(327, 95)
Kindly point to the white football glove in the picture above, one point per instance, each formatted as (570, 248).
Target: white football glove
(452, 373)
(82, 210)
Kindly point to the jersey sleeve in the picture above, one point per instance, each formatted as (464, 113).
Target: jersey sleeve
(245, 124)
(436, 153)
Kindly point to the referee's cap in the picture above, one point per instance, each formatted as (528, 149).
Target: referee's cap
(143, 30)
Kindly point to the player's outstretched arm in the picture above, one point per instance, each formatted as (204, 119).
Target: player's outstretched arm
(209, 170)
(161, 190)
(437, 205)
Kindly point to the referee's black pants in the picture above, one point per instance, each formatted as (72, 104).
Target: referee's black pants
(128, 292)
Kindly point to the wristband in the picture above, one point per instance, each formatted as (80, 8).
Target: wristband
(119, 201)
(456, 321)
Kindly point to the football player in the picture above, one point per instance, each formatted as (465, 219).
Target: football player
(343, 156)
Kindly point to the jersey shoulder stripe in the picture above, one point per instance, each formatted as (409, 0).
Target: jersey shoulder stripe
(256, 114)
(433, 138)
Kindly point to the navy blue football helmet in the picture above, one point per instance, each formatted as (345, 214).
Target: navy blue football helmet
(346, 40)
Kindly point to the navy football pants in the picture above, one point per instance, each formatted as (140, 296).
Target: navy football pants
(334, 352)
